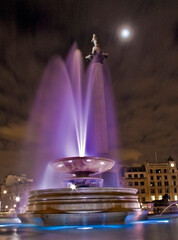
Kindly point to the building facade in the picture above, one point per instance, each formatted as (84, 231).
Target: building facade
(153, 180)
(14, 193)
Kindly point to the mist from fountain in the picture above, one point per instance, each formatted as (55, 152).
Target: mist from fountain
(67, 120)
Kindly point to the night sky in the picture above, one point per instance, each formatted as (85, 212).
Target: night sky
(144, 70)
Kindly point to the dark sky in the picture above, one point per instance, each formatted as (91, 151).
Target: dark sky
(144, 71)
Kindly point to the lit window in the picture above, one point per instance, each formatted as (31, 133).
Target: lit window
(158, 170)
(152, 198)
(160, 197)
(152, 184)
(175, 198)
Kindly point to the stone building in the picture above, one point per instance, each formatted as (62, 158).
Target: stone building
(153, 180)
(14, 191)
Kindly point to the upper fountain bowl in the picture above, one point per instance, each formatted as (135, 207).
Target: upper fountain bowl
(83, 165)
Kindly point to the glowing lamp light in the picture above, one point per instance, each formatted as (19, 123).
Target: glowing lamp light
(102, 163)
(85, 228)
(5, 191)
(73, 186)
(70, 161)
(17, 199)
(172, 164)
(88, 160)
(14, 205)
(6, 206)
(60, 165)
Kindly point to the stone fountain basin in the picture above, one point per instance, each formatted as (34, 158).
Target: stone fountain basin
(88, 165)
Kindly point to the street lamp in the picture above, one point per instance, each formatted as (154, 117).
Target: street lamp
(5, 191)
(17, 199)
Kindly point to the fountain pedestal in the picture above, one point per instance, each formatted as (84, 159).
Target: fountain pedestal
(82, 170)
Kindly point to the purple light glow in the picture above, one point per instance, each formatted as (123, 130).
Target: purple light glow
(72, 114)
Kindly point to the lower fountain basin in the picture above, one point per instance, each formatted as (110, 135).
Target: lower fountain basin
(83, 206)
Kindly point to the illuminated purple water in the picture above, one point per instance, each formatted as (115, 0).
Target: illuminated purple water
(72, 115)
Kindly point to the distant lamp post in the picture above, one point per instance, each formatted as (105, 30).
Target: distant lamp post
(5, 191)
(6, 207)
(17, 199)
(15, 205)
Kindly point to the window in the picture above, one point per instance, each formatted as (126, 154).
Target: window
(151, 170)
(152, 178)
(160, 197)
(142, 183)
(166, 190)
(158, 170)
(165, 170)
(175, 197)
(173, 177)
(135, 175)
(136, 183)
(172, 170)
(143, 199)
(129, 175)
(152, 198)
(174, 183)
(158, 177)
(165, 177)
(166, 183)
(160, 190)
(130, 184)
(175, 190)
(141, 176)
(152, 191)
(143, 190)
(152, 184)
(159, 184)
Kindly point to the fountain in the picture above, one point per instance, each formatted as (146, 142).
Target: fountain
(82, 154)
